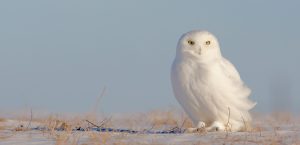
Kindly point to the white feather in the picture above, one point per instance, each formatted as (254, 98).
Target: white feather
(207, 85)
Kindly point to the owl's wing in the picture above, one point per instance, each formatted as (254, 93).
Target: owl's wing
(238, 87)
(226, 91)
(234, 77)
(230, 71)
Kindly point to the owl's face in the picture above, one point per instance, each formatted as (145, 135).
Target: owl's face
(200, 44)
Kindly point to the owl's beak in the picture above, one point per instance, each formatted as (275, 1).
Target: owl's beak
(198, 51)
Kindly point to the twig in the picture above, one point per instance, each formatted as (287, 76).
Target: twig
(244, 123)
(93, 123)
(29, 124)
(183, 123)
(104, 121)
(227, 125)
(98, 100)
(145, 130)
(101, 124)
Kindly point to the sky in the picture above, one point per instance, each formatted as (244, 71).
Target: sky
(59, 55)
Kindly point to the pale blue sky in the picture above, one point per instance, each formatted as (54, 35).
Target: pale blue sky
(57, 55)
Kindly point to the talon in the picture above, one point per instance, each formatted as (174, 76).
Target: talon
(201, 124)
(216, 126)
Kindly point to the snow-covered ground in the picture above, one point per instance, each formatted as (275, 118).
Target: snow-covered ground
(267, 130)
(35, 137)
(38, 137)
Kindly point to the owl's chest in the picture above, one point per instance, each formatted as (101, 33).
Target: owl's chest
(204, 78)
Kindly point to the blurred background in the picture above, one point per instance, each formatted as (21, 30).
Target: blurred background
(59, 55)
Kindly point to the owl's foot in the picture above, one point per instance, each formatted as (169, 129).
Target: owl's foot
(200, 128)
(216, 126)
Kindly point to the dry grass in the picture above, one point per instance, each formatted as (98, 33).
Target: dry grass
(100, 138)
(169, 118)
(266, 129)
(2, 119)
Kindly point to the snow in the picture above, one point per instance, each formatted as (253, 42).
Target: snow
(268, 132)
(38, 137)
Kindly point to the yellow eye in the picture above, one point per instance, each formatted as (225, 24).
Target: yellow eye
(207, 42)
(191, 42)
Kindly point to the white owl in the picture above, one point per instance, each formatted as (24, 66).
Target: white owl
(208, 86)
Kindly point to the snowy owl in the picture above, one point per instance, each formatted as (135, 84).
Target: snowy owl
(208, 86)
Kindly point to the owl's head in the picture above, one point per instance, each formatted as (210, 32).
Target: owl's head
(198, 44)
